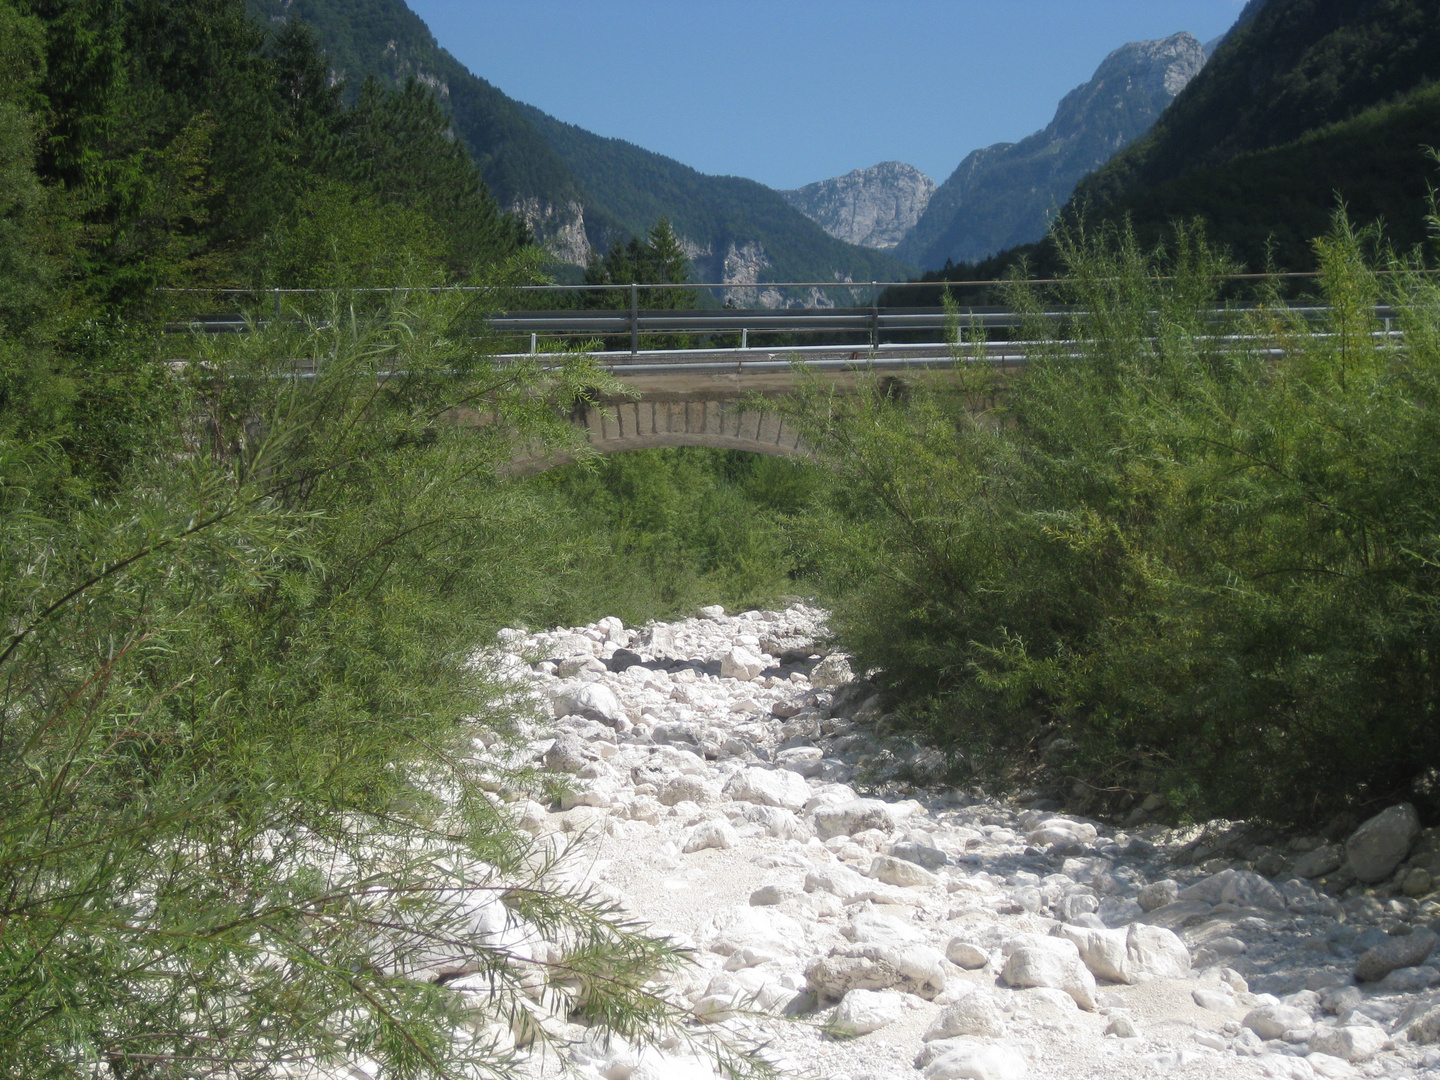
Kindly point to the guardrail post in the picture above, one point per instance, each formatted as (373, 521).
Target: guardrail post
(533, 350)
(874, 317)
(634, 319)
(744, 337)
(277, 305)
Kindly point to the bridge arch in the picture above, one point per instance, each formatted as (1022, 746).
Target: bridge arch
(613, 427)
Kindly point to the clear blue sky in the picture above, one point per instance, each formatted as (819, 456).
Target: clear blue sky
(790, 91)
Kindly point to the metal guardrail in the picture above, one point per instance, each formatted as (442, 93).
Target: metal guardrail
(871, 327)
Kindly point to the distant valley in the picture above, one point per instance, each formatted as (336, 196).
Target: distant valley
(1259, 142)
(579, 192)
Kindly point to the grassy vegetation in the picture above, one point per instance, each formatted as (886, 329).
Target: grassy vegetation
(655, 533)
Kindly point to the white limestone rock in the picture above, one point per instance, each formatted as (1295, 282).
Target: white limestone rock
(778, 822)
(1158, 894)
(974, 1014)
(856, 815)
(966, 954)
(869, 925)
(1279, 1021)
(901, 873)
(740, 663)
(1325, 859)
(1353, 1042)
(853, 888)
(709, 834)
(980, 1061)
(1061, 831)
(1049, 962)
(832, 671)
(914, 969)
(1243, 888)
(687, 787)
(740, 926)
(1378, 846)
(594, 701)
(863, 1011)
(769, 787)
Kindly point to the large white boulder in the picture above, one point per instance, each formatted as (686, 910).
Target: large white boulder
(687, 787)
(1278, 1021)
(849, 818)
(594, 701)
(915, 969)
(740, 926)
(901, 873)
(974, 1014)
(863, 1011)
(869, 925)
(778, 822)
(853, 888)
(1353, 1042)
(1378, 846)
(982, 1061)
(1032, 960)
(1135, 954)
(769, 787)
(1243, 888)
(717, 833)
(740, 663)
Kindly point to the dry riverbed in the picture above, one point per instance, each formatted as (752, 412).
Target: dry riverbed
(709, 786)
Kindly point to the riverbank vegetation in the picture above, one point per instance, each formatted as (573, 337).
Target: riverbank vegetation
(242, 824)
(243, 576)
(1194, 555)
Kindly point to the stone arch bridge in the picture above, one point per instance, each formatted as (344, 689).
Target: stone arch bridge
(720, 403)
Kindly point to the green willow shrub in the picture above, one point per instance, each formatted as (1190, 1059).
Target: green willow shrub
(655, 532)
(241, 828)
(1200, 548)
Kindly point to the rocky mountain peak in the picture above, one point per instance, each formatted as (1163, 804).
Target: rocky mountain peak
(872, 207)
(1005, 194)
(1136, 80)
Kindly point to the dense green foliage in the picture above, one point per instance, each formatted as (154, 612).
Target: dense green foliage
(252, 656)
(1176, 561)
(656, 260)
(1266, 207)
(386, 40)
(653, 532)
(1308, 104)
(242, 824)
(182, 135)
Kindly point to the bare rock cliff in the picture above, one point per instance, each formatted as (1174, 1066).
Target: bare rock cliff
(872, 207)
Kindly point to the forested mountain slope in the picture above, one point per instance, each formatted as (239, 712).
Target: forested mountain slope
(1305, 107)
(576, 190)
(1309, 104)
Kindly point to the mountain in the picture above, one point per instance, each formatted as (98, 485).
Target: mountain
(578, 191)
(1294, 68)
(872, 207)
(735, 230)
(1006, 194)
